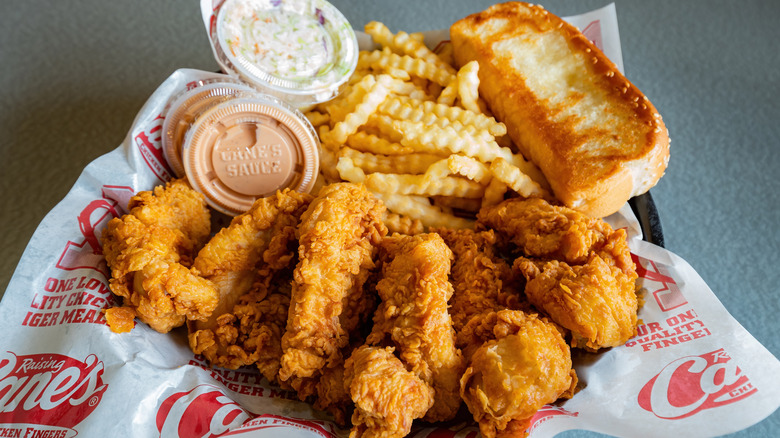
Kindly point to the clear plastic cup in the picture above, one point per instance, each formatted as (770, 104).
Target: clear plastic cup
(185, 108)
(301, 51)
(247, 148)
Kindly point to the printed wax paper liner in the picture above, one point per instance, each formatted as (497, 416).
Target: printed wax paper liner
(691, 369)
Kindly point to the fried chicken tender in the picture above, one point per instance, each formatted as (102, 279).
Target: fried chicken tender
(150, 250)
(413, 316)
(387, 397)
(522, 364)
(596, 301)
(251, 263)
(337, 237)
(481, 280)
(546, 231)
(578, 269)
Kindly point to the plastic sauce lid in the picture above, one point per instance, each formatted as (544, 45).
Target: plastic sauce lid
(302, 51)
(186, 107)
(248, 148)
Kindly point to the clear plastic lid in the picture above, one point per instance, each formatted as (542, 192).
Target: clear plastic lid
(302, 51)
(186, 107)
(247, 148)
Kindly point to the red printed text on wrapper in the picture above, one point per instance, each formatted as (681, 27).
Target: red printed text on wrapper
(86, 253)
(548, 412)
(47, 394)
(691, 384)
(677, 324)
(77, 291)
(206, 411)
(149, 144)
(658, 281)
(593, 32)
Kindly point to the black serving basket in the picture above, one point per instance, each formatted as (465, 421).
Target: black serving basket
(645, 210)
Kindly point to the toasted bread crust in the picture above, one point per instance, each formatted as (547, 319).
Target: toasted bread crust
(594, 135)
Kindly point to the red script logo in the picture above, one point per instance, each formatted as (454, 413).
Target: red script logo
(694, 383)
(205, 411)
(49, 389)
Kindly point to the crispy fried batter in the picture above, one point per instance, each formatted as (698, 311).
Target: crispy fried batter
(387, 397)
(522, 364)
(481, 280)
(596, 301)
(546, 231)
(578, 269)
(413, 315)
(251, 262)
(337, 238)
(149, 252)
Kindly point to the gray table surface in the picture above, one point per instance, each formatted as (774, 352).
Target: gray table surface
(74, 74)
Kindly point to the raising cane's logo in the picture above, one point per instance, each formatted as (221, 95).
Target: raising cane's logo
(48, 392)
(693, 383)
(205, 411)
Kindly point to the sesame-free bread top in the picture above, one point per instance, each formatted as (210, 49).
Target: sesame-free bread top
(595, 136)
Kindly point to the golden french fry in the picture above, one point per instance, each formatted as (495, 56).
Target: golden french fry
(437, 170)
(367, 142)
(460, 165)
(436, 139)
(419, 36)
(471, 205)
(398, 223)
(412, 110)
(419, 207)
(317, 118)
(494, 193)
(339, 108)
(470, 168)
(383, 125)
(513, 177)
(349, 172)
(468, 86)
(417, 67)
(403, 43)
(367, 58)
(404, 87)
(446, 53)
(406, 184)
(359, 116)
(531, 170)
(397, 73)
(402, 108)
(449, 93)
(413, 163)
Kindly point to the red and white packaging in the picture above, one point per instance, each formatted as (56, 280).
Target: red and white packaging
(692, 370)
